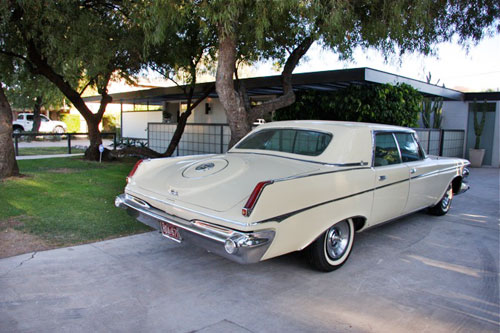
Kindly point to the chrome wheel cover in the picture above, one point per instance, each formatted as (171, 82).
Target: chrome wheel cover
(446, 201)
(337, 240)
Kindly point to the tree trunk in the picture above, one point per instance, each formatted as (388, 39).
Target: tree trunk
(181, 122)
(92, 153)
(36, 114)
(179, 130)
(241, 115)
(8, 163)
(93, 120)
(231, 101)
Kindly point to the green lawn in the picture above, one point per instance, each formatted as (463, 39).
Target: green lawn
(68, 201)
(47, 151)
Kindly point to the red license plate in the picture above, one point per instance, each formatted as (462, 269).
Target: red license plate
(170, 231)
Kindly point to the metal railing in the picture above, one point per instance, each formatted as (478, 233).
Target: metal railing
(442, 142)
(214, 139)
(196, 139)
(17, 136)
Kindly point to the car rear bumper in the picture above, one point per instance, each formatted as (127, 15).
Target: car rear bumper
(238, 246)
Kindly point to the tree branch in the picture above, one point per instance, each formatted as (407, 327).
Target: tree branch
(15, 55)
(288, 96)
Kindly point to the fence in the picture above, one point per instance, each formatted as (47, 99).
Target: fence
(450, 143)
(196, 139)
(56, 136)
(214, 139)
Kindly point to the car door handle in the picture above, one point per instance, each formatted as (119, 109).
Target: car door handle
(413, 170)
(381, 178)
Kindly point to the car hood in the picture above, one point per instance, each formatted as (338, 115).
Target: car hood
(215, 182)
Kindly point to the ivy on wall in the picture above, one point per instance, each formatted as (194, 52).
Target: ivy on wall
(386, 104)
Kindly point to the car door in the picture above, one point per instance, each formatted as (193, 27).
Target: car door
(28, 122)
(45, 125)
(391, 179)
(425, 183)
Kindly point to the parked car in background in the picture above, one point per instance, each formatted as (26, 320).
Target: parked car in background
(259, 122)
(290, 186)
(24, 123)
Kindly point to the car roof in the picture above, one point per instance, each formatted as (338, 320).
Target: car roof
(330, 125)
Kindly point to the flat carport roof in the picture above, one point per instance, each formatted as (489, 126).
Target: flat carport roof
(271, 85)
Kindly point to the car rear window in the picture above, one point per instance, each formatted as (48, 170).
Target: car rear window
(295, 141)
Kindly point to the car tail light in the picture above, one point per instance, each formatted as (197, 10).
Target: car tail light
(134, 169)
(252, 200)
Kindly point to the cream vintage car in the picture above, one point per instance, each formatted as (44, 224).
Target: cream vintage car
(290, 186)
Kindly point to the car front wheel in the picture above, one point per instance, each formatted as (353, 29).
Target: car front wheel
(59, 130)
(443, 206)
(331, 250)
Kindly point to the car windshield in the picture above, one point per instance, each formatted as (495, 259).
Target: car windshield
(295, 141)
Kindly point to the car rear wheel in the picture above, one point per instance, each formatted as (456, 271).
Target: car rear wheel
(331, 250)
(17, 130)
(59, 130)
(443, 206)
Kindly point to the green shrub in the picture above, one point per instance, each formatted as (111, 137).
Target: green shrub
(386, 104)
(110, 122)
(72, 121)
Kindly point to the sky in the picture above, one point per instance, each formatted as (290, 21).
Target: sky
(477, 69)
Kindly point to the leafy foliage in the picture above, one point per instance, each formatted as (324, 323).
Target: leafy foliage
(385, 104)
(74, 44)
(73, 122)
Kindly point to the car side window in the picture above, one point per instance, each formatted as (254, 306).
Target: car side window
(29, 118)
(44, 119)
(410, 150)
(386, 150)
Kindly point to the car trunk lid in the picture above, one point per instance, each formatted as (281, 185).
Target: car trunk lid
(218, 182)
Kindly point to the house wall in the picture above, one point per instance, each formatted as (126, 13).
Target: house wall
(455, 115)
(216, 115)
(490, 138)
(135, 124)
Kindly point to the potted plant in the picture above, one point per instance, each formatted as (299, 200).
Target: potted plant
(476, 155)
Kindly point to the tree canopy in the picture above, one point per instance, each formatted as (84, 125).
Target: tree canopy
(284, 30)
(74, 44)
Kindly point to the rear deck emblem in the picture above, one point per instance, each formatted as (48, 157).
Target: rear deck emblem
(205, 166)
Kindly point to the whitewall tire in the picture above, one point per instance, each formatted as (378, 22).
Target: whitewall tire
(331, 250)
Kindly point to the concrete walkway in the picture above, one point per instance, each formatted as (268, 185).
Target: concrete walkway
(421, 273)
(38, 157)
(61, 143)
(81, 143)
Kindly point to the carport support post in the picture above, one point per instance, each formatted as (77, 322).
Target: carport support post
(16, 143)
(428, 141)
(441, 142)
(222, 139)
(69, 143)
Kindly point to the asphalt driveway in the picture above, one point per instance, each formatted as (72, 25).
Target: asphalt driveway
(421, 273)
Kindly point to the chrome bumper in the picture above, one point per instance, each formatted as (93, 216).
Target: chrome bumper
(241, 247)
(464, 186)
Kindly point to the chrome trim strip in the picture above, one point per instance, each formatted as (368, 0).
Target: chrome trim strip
(362, 163)
(435, 172)
(316, 174)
